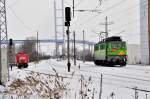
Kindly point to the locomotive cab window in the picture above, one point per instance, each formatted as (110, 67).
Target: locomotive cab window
(102, 47)
(96, 47)
(124, 45)
(116, 45)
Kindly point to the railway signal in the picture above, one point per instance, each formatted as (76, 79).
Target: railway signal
(11, 53)
(67, 24)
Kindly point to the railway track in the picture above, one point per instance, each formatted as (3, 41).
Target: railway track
(128, 68)
(107, 79)
(95, 71)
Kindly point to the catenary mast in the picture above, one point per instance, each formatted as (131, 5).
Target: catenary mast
(3, 43)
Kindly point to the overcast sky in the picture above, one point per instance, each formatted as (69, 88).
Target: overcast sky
(25, 17)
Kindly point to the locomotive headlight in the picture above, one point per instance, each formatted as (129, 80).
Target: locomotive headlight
(122, 53)
(124, 59)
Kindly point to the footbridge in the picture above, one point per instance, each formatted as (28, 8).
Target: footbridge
(60, 41)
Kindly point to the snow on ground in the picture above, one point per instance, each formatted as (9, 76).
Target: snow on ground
(83, 82)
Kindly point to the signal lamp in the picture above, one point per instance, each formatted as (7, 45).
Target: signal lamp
(67, 14)
(10, 42)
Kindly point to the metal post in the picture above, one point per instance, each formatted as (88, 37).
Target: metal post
(106, 31)
(93, 93)
(68, 49)
(75, 95)
(56, 48)
(106, 27)
(63, 46)
(73, 8)
(83, 47)
(146, 96)
(74, 48)
(89, 49)
(37, 46)
(100, 94)
(99, 36)
(72, 52)
(106, 23)
(0, 61)
(136, 93)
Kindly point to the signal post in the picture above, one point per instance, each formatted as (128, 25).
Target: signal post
(67, 24)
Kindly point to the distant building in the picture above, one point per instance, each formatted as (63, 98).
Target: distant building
(134, 54)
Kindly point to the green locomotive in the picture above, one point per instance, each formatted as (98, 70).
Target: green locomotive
(111, 51)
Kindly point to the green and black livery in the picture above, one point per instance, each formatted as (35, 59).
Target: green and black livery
(111, 51)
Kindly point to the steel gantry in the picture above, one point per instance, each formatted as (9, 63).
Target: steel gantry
(59, 22)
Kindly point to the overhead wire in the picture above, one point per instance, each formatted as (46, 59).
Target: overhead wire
(20, 20)
(128, 9)
(132, 22)
(129, 23)
(14, 3)
(115, 14)
(85, 11)
(107, 9)
(122, 11)
(78, 3)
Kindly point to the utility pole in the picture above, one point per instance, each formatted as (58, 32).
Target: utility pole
(93, 93)
(106, 23)
(106, 31)
(3, 43)
(63, 30)
(106, 27)
(83, 47)
(37, 46)
(56, 46)
(112, 95)
(73, 8)
(74, 48)
(146, 96)
(136, 93)
(100, 94)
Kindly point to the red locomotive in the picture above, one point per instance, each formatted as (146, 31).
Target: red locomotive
(22, 60)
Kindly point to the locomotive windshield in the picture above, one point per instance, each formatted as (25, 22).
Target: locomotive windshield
(118, 45)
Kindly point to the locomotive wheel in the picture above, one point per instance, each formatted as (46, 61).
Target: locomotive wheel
(25, 65)
(96, 62)
(105, 63)
(19, 66)
(123, 64)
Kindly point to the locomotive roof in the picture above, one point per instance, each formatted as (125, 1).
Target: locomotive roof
(113, 38)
